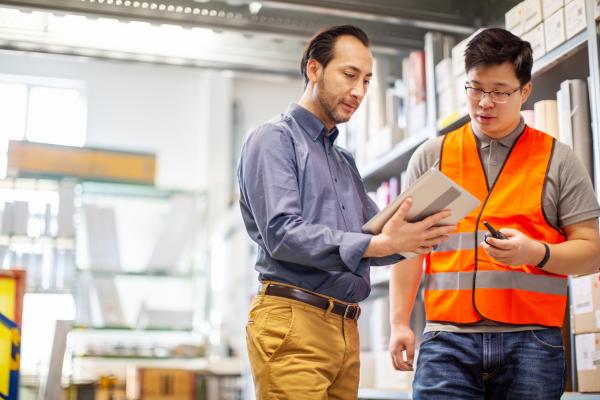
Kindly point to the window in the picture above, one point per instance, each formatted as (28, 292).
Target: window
(55, 116)
(13, 113)
(47, 112)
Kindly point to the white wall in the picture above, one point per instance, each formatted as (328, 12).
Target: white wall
(185, 116)
(162, 109)
(261, 99)
(258, 99)
(139, 107)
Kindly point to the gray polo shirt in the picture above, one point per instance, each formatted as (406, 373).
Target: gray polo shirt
(568, 197)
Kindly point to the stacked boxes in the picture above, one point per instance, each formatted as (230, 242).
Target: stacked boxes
(587, 347)
(585, 292)
(513, 20)
(575, 18)
(450, 84)
(546, 23)
(555, 32)
(532, 14)
(586, 303)
(537, 40)
(550, 7)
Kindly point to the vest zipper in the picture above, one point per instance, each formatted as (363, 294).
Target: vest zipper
(490, 190)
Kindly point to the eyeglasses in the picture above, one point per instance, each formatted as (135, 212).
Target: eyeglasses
(495, 95)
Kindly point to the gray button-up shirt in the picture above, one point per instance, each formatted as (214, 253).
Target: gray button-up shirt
(303, 202)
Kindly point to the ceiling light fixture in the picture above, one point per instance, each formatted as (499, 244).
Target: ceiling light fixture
(254, 7)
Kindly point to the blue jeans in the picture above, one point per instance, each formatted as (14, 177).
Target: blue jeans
(509, 365)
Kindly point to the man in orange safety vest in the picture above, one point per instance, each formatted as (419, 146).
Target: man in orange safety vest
(495, 306)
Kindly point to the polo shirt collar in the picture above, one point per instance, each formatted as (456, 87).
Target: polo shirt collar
(507, 141)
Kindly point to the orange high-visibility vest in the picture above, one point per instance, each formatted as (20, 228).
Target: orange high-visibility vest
(462, 283)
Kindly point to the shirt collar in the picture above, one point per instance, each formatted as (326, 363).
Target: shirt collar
(507, 141)
(310, 123)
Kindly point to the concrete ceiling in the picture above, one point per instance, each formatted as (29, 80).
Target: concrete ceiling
(263, 36)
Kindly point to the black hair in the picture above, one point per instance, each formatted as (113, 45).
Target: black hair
(494, 46)
(321, 46)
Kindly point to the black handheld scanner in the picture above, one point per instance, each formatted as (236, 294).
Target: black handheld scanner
(495, 233)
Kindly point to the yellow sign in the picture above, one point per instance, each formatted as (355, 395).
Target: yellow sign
(8, 292)
(5, 358)
(28, 158)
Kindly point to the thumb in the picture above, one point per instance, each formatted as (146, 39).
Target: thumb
(396, 354)
(509, 232)
(400, 214)
(410, 354)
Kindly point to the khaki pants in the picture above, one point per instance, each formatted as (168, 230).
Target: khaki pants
(298, 351)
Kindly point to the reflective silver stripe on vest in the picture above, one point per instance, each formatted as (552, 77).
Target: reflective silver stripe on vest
(497, 280)
(460, 241)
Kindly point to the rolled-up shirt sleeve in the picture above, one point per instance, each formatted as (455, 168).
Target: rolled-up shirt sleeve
(270, 193)
(371, 210)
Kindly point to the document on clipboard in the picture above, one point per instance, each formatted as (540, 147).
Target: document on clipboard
(431, 193)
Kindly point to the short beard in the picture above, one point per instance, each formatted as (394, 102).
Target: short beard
(325, 102)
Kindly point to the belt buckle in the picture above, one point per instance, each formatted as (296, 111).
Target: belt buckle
(356, 309)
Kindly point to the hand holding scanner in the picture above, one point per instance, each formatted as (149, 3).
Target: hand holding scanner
(495, 233)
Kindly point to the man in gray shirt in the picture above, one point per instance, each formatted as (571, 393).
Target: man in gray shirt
(303, 203)
(494, 307)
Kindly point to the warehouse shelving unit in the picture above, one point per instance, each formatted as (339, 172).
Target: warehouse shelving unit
(52, 277)
(144, 335)
(577, 57)
(394, 160)
(393, 34)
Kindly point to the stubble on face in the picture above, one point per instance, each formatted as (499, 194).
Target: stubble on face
(337, 90)
(329, 103)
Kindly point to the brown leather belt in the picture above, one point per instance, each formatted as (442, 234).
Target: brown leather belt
(348, 311)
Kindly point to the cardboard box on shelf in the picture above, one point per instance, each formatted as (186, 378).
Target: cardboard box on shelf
(110, 394)
(587, 350)
(514, 21)
(458, 54)
(537, 40)
(160, 384)
(554, 30)
(549, 7)
(459, 92)
(458, 57)
(532, 14)
(447, 102)
(585, 292)
(575, 18)
(443, 75)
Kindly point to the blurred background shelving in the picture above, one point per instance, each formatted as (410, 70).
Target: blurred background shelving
(179, 83)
